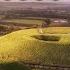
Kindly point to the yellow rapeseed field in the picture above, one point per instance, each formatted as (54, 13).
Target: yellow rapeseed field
(23, 46)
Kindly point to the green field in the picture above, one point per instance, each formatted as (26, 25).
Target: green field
(26, 21)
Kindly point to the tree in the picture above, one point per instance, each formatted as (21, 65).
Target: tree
(47, 21)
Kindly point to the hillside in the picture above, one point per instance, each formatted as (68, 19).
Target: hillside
(29, 46)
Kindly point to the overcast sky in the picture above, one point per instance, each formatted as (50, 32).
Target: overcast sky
(42, 1)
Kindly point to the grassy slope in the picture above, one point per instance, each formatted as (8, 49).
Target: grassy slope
(20, 46)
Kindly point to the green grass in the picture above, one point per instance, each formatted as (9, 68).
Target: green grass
(22, 46)
(26, 21)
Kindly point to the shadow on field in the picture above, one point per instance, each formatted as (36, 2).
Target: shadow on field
(47, 37)
(13, 66)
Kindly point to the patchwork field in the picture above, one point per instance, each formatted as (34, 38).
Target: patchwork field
(10, 25)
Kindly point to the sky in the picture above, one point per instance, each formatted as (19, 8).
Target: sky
(35, 0)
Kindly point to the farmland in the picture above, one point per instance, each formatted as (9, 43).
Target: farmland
(26, 21)
(27, 36)
(36, 50)
(10, 25)
(29, 45)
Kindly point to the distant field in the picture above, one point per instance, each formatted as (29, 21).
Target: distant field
(35, 21)
(57, 30)
(26, 21)
(10, 25)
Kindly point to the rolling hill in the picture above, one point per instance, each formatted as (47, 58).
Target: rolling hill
(24, 46)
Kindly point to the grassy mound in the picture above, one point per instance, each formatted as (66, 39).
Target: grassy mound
(22, 46)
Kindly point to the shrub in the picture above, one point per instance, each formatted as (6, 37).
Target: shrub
(13, 66)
